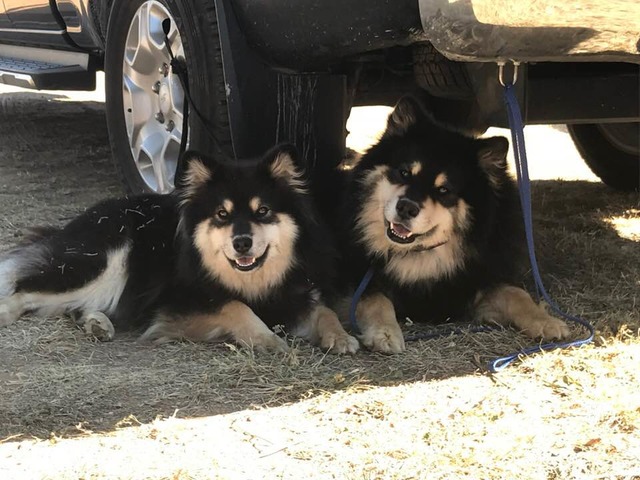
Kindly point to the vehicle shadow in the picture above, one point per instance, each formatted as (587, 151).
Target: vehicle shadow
(54, 380)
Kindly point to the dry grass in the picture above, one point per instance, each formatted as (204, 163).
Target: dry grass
(70, 408)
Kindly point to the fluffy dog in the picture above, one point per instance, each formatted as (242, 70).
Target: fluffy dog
(437, 216)
(235, 251)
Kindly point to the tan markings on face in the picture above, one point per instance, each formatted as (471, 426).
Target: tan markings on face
(414, 261)
(234, 319)
(215, 245)
(416, 168)
(441, 180)
(197, 174)
(370, 220)
(436, 264)
(255, 203)
(509, 305)
(433, 216)
(227, 205)
(448, 226)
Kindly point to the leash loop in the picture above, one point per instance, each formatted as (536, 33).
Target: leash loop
(514, 78)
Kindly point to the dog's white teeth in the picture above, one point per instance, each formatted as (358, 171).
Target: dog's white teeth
(400, 231)
(245, 261)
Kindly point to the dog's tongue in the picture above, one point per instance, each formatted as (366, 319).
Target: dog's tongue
(401, 229)
(245, 261)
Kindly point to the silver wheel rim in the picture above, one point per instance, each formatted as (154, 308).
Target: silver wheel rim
(153, 97)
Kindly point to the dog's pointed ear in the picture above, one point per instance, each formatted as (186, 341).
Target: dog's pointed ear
(282, 161)
(492, 158)
(196, 171)
(406, 113)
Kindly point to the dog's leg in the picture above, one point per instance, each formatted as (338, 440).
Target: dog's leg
(377, 320)
(508, 305)
(234, 319)
(323, 328)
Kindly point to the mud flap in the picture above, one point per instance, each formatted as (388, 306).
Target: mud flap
(268, 106)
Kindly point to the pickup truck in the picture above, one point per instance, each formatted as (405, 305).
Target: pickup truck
(263, 71)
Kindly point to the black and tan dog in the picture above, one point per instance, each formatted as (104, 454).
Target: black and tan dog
(437, 215)
(234, 252)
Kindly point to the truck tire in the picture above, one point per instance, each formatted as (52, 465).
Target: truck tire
(439, 76)
(145, 98)
(612, 152)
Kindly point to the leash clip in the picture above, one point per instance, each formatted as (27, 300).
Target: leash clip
(514, 79)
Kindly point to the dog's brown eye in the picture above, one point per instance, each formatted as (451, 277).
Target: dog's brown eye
(443, 190)
(222, 214)
(404, 173)
(263, 211)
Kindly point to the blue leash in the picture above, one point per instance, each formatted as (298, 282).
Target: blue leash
(356, 298)
(524, 188)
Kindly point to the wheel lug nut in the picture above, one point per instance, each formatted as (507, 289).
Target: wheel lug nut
(164, 69)
(159, 117)
(170, 126)
(156, 87)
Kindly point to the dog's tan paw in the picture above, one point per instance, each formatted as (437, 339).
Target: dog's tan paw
(384, 339)
(339, 343)
(269, 342)
(98, 325)
(546, 327)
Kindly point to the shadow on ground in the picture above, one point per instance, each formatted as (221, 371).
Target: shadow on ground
(54, 161)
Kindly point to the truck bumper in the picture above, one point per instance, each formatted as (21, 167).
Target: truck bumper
(526, 31)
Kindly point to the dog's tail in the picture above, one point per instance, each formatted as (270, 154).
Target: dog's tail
(28, 257)
(8, 274)
(12, 264)
(29, 252)
(36, 234)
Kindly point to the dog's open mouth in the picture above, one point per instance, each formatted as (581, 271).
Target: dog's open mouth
(247, 263)
(399, 233)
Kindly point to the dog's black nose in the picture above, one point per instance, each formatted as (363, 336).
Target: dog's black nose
(242, 243)
(407, 209)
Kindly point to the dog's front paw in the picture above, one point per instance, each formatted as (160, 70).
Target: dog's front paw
(98, 325)
(267, 342)
(546, 327)
(339, 342)
(386, 338)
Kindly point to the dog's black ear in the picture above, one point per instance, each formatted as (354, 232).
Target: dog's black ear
(406, 113)
(196, 170)
(282, 162)
(492, 158)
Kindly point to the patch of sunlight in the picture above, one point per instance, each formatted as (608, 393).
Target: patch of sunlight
(628, 225)
(365, 125)
(65, 96)
(551, 154)
(550, 150)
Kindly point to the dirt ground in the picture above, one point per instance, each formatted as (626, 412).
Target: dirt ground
(73, 408)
